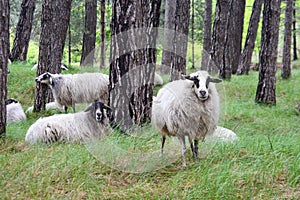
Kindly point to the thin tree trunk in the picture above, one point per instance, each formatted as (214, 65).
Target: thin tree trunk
(70, 44)
(245, 58)
(4, 46)
(21, 42)
(44, 55)
(286, 57)
(180, 40)
(295, 56)
(102, 36)
(89, 35)
(132, 60)
(205, 59)
(193, 39)
(169, 28)
(266, 89)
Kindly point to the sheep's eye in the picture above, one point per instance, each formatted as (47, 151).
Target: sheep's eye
(196, 81)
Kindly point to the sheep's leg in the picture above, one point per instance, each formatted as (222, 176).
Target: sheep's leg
(66, 109)
(183, 150)
(163, 139)
(73, 107)
(196, 149)
(192, 147)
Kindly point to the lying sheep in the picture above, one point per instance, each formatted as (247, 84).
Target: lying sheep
(63, 67)
(187, 108)
(80, 127)
(221, 134)
(14, 111)
(158, 80)
(77, 88)
(49, 106)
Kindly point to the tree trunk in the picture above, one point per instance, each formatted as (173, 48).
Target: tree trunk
(207, 36)
(89, 35)
(21, 42)
(295, 56)
(132, 60)
(55, 21)
(218, 35)
(192, 35)
(245, 58)
(102, 36)
(180, 40)
(4, 46)
(235, 34)
(169, 28)
(286, 57)
(266, 89)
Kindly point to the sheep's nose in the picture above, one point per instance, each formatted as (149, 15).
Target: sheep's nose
(203, 92)
(37, 80)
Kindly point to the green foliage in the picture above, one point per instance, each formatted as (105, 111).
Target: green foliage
(263, 164)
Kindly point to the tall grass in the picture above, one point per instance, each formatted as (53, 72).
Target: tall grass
(263, 164)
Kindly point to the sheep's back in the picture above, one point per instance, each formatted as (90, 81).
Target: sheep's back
(15, 113)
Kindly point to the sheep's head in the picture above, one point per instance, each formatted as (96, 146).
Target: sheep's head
(10, 101)
(100, 111)
(45, 78)
(201, 81)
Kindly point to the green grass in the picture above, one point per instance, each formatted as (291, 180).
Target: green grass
(263, 164)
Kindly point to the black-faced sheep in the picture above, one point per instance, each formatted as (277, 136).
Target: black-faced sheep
(187, 108)
(81, 127)
(14, 110)
(69, 89)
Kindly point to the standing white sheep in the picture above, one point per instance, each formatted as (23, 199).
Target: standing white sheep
(69, 89)
(84, 126)
(14, 111)
(187, 108)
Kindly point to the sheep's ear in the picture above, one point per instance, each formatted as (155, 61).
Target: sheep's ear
(107, 107)
(214, 80)
(191, 78)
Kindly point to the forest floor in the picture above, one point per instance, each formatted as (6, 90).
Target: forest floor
(263, 164)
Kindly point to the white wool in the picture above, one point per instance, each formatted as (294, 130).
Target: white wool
(221, 134)
(158, 80)
(49, 106)
(15, 113)
(74, 127)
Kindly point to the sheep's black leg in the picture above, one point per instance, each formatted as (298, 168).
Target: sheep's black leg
(192, 147)
(73, 106)
(196, 149)
(163, 139)
(66, 109)
(183, 150)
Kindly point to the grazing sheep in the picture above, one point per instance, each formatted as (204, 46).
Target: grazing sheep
(187, 108)
(221, 134)
(158, 80)
(49, 106)
(63, 67)
(14, 111)
(84, 126)
(77, 88)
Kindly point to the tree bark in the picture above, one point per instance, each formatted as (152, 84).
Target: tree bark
(55, 21)
(207, 36)
(24, 27)
(180, 40)
(132, 60)
(89, 35)
(4, 46)
(234, 35)
(245, 58)
(286, 57)
(169, 28)
(266, 89)
(295, 56)
(102, 36)
(218, 35)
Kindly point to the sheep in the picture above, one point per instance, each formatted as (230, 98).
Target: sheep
(221, 134)
(69, 89)
(158, 80)
(80, 127)
(187, 107)
(63, 67)
(49, 106)
(14, 111)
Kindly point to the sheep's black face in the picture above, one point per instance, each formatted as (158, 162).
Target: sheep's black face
(45, 78)
(101, 112)
(201, 84)
(10, 101)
